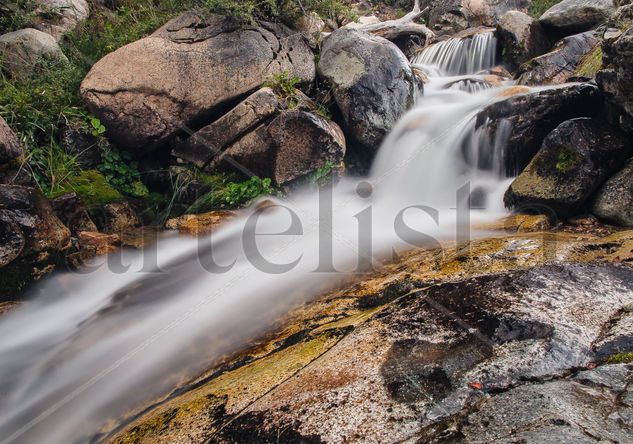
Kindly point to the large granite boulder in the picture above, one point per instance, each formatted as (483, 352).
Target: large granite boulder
(372, 83)
(521, 38)
(614, 201)
(560, 64)
(22, 51)
(530, 116)
(192, 68)
(58, 17)
(575, 160)
(570, 16)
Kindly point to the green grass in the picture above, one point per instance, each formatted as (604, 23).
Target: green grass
(591, 63)
(620, 358)
(228, 193)
(540, 6)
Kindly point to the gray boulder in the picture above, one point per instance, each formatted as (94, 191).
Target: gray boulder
(529, 116)
(22, 51)
(58, 17)
(372, 82)
(560, 64)
(614, 201)
(521, 38)
(193, 67)
(575, 160)
(571, 16)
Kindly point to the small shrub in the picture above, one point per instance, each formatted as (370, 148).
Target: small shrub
(228, 194)
(285, 87)
(121, 171)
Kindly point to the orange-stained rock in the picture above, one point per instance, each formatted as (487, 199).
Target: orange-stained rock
(197, 224)
(98, 243)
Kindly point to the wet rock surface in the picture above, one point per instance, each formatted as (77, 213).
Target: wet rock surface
(614, 201)
(575, 160)
(194, 60)
(397, 357)
(372, 82)
(559, 65)
(532, 116)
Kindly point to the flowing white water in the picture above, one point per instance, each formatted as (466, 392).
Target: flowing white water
(90, 348)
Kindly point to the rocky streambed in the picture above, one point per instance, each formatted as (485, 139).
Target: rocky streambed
(518, 337)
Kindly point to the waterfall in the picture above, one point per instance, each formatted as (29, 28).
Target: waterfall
(92, 347)
(457, 56)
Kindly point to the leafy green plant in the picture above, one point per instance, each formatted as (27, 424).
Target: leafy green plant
(228, 194)
(121, 171)
(285, 87)
(97, 128)
(323, 174)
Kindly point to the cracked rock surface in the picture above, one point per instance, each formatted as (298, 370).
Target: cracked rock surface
(488, 348)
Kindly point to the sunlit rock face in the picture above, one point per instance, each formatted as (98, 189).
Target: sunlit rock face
(185, 73)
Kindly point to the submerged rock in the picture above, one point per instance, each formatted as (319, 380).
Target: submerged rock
(569, 16)
(614, 201)
(530, 117)
(22, 51)
(576, 158)
(372, 83)
(560, 64)
(521, 38)
(186, 72)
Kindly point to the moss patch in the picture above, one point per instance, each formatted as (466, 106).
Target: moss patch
(92, 187)
(540, 6)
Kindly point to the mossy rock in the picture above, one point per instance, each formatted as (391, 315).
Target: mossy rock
(92, 187)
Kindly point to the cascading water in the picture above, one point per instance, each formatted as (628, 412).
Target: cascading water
(90, 348)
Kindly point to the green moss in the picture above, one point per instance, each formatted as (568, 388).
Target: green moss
(566, 160)
(620, 358)
(591, 63)
(538, 7)
(92, 187)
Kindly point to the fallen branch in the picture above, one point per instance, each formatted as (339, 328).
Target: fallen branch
(402, 27)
